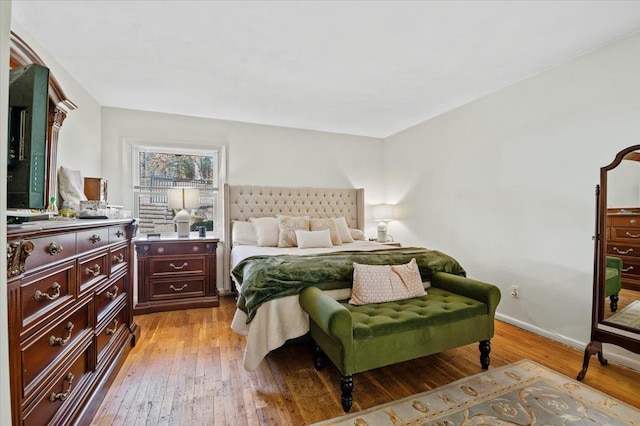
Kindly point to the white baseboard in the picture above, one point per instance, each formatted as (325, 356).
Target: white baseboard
(612, 353)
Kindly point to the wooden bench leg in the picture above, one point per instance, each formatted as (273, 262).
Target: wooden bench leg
(614, 302)
(485, 349)
(346, 384)
(318, 357)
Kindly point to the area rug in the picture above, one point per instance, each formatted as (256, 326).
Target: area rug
(524, 393)
(629, 316)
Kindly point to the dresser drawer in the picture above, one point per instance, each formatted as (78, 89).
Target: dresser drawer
(119, 257)
(93, 239)
(178, 265)
(625, 234)
(117, 233)
(92, 269)
(50, 249)
(615, 249)
(40, 352)
(631, 268)
(177, 248)
(108, 296)
(170, 289)
(49, 407)
(627, 221)
(109, 331)
(43, 293)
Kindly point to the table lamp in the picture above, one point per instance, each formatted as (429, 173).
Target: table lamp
(382, 213)
(183, 198)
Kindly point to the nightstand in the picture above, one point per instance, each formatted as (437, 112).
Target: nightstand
(176, 273)
(391, 243)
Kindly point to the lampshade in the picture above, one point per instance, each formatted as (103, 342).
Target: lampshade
(183, 198)
(382, 212)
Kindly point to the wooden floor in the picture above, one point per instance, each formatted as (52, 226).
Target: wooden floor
(187, 370)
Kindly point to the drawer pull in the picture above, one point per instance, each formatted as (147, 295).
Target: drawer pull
(119, 258)
(617, 250)
(95, 238)
(633, 221)
(195, 249)
(56, 293)
(110, 331)
(178, 267)
(61, 341)
(62, 395)
(160, 250)
(627, 269)
(177, 288)
(629, 234)
(55, 248)
(119, 233)
(95, 271)
(114, 294)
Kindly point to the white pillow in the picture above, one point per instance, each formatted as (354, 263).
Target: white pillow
(243, 234)
(343, 229)
(386, 283)
(266, 230)
(313, 239)
(318, 224)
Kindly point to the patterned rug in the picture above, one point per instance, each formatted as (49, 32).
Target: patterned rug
(524, 393)
(628, 316)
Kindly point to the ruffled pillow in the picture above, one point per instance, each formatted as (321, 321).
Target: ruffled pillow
(287, 227)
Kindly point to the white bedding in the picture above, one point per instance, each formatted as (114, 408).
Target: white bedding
(279, 320)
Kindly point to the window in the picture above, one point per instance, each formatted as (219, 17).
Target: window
(158, 168)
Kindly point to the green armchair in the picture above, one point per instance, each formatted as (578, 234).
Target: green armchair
(612, 281)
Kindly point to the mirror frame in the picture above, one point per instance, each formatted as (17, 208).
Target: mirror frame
(22, 54)
(613, 334)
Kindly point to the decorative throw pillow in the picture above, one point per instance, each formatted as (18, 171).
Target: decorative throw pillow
(288, 225)
(314, 239)
(329, 224)
(243, 234)
(266, 231)
(385, 283)
(343, 229)
(71, 186)
(357, 234)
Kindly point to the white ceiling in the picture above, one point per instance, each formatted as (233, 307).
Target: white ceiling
(362, 68)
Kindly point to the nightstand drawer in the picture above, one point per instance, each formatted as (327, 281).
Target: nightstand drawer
(177, 265)
(169, 289)
(163, 248)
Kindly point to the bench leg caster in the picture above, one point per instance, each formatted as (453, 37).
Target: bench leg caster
(485, 349)
(318, 357)
(346, 384)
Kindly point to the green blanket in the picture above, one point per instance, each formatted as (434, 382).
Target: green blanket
(263, 278)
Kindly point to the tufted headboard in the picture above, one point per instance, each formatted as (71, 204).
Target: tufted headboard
(244, 201)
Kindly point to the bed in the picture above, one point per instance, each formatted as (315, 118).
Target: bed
(272, 321)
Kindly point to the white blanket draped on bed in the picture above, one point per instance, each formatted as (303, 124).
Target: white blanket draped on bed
(281, 319)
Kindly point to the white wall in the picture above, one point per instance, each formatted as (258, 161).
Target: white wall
(506, 184)
(5, 31)
(79, 138)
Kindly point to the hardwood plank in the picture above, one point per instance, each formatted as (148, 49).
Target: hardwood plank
(187, 369)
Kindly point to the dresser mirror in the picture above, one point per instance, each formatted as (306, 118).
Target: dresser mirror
(616, 283)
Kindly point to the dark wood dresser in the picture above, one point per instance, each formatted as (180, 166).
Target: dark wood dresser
(70, 316)
(176, 273)
(623, 241)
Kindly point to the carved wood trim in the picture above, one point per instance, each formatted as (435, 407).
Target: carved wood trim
(17, 253)
(22, 54)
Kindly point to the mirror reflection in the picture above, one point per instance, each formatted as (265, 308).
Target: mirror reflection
(622, 273)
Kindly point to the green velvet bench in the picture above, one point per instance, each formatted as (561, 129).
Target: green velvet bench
(456, 311)
(613, 281)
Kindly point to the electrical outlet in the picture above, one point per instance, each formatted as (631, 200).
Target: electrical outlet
(515, 291)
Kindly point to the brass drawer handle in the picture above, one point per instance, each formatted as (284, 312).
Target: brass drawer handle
(119, 258)
(56, 293)
(633, 221)
(95, 271)
(177, 288)
(195, 249)
(617, 250)
(110, 331)
(95, 238)
(114, 294)
(119, 233)
(627, 269)
(178, 267)
(62, 395)
(55, 248)
(61, 341)
(629, 234)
